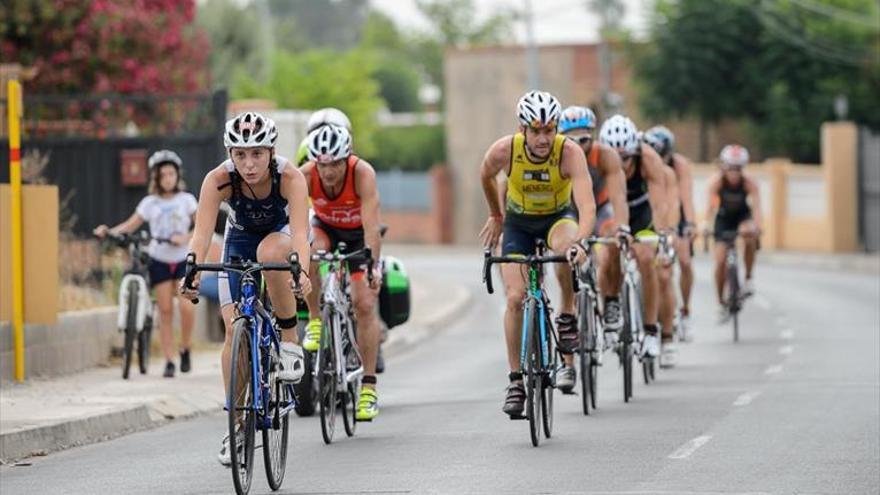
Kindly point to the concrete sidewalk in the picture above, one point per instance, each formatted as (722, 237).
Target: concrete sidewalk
(42, 416)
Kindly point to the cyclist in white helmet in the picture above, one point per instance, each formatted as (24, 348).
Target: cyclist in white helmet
(169, 211)
(267, 198)
(345, 199)
(735, 202)
(544, 172)
(320, 117)
(646, 198)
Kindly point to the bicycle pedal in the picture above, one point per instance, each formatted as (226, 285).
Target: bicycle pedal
(518, 417)
(363, 420)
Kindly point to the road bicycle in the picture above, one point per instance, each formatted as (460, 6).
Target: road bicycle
(539, 356)
(256, 398)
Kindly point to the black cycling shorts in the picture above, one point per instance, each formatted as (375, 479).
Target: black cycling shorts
(353, 239)
(161, 271)
(521, 232)
(641, 218)
(727, 225)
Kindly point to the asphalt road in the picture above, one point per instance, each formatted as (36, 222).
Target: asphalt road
(794, 407)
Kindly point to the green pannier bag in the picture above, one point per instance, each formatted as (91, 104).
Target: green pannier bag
(394, 306)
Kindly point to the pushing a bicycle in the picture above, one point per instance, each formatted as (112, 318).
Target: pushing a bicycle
(169, 211)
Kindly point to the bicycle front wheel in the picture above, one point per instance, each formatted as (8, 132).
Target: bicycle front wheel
(547, 387)
(130, 327)
(144, 345)
(327, 377)
(533, 377)
(241, 413)
(587, 335)
(733, 297)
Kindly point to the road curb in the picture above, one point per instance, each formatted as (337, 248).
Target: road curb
(43, 440)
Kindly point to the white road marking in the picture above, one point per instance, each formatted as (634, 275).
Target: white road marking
(773, 370)
(786, 350)
(745, 399)
(787, 334)
(689, 448)
(763, 302)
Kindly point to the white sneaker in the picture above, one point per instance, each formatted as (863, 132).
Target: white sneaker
(651, 346)
(610, 340)
(565, 379)
(292, 366)
(723, 315)
(225, 455)
(748, 288)
(668, 356)
(684, 327)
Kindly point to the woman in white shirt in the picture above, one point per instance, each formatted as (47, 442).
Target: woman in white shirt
(169, 211)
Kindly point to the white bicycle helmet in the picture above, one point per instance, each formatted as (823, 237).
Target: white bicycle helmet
(329, 143)
(538, 109)
(734, 155)
(328, 115)
(164, 156)
(250, 130)
(620, 133)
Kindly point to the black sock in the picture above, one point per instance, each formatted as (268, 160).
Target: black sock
(651, 329)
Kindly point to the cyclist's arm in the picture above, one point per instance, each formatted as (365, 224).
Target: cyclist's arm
(672, 198)
(206, 214)
(712, 199)
(754, 193)
(295, 190)
(574, 166)
(495, 160)
(134, 222)
(611, 168)
(502, 189)
(365, 186)
(686, 187)
(652, 172)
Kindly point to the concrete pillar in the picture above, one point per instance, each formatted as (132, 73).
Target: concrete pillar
(840, 166)
(774, 224)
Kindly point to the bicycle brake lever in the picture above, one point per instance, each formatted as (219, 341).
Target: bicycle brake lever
(189, 275)
(487, 272)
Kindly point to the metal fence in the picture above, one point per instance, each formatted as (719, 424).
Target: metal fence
(869, 189)
(404, 190)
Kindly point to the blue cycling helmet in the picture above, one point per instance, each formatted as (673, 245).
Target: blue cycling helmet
(575, 117)
(661, 139)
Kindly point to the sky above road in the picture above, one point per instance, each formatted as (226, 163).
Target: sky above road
(556, 21)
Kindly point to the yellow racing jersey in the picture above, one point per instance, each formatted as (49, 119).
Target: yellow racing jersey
(537, 188)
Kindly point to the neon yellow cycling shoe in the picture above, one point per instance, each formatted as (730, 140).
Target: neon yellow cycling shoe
(312, 340)
(368, 405)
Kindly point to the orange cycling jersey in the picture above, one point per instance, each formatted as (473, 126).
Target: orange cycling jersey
(342, 211)
(600, 191)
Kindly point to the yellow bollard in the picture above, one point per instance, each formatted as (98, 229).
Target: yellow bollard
(14, 104)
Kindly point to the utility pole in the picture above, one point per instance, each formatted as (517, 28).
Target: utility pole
(534, 76)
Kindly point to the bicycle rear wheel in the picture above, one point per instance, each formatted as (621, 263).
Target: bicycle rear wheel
(349, 408)
(241, 414)
(328, 389)
(533, 377)
(130, 333)
(275, 437)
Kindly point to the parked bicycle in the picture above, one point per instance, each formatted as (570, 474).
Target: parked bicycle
(539, 356)
(340, 366)
(256, 399)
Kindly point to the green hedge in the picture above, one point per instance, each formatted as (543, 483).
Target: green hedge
(413, 149)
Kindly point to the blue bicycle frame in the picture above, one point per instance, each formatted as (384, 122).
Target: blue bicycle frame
(535, 292)
(263, 335)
